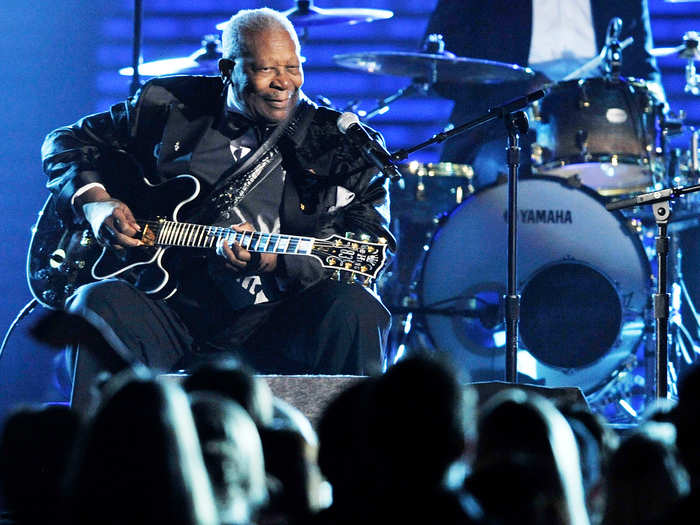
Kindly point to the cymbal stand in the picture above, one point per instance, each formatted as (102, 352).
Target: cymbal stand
(136, 47)
(417, 87)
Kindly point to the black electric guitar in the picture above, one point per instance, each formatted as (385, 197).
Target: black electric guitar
(63, 257)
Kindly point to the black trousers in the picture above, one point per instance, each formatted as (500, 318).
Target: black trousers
(329, 328)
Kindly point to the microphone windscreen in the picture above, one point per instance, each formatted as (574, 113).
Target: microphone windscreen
(346, 120)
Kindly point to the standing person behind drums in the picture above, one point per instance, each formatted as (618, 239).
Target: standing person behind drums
(281, 313)
(553, 37)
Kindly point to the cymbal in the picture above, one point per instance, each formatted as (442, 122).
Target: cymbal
(305, 14)
(204, 61)
(688, 49)
(444, 67)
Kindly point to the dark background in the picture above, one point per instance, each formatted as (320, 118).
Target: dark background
(59, 62)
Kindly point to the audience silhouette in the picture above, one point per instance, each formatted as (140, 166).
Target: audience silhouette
(408, 446)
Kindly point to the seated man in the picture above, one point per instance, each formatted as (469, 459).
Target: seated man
(260, 156)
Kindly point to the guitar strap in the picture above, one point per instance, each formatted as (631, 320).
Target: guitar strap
(234, 186)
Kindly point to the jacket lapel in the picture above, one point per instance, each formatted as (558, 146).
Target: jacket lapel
(193, 146)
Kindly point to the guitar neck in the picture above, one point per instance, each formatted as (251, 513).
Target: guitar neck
(170, 233)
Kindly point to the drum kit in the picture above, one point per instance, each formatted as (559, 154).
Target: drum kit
(585, 273)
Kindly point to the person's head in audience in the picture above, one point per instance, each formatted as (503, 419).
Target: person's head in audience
(291, 464)
(645, 477)
(596, 442)
(418, 424)
(527, 451)
(139, 461)
(687, 422)
(235, 381)
(288, 439)
(233, 456)
(35, 448)
(344, 450)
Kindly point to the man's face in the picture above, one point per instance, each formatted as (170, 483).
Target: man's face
(266, 83)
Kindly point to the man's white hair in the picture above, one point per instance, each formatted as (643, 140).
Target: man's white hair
(250, 21)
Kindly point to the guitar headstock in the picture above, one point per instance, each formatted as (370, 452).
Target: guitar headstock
(357, 256)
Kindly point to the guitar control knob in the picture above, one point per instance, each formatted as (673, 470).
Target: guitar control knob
(49, 296)
(57, 258)
(42, 274)
(86, 238)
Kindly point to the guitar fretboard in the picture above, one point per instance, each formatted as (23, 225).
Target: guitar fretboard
(169, 233)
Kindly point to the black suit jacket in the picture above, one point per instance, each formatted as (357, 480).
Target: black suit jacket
(171, 126)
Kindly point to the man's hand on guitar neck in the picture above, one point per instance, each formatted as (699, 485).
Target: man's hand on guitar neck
(110, 219)
(241, 260)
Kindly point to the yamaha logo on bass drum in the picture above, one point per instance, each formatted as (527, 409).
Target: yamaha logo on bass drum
(529, 216)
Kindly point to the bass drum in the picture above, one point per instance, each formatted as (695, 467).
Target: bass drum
(584, 281)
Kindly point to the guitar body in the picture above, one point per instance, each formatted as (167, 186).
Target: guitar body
(60, 258)
(63, 257)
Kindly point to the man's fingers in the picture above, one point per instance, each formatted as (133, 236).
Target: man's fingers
(110, 235)
(241, 253)
(235, 255)
(243, 227)
(124, 222)
(130, 218)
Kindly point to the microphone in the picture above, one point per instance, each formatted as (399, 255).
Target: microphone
(349, 125)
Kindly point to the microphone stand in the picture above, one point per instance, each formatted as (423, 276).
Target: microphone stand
(516, 123)
(502, 111)
(661, 206)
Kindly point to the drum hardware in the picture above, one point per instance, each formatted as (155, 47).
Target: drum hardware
(415, 88)
(488, 315)
(612, 51)
(589, 67)
(661, 205)
(688, 51)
